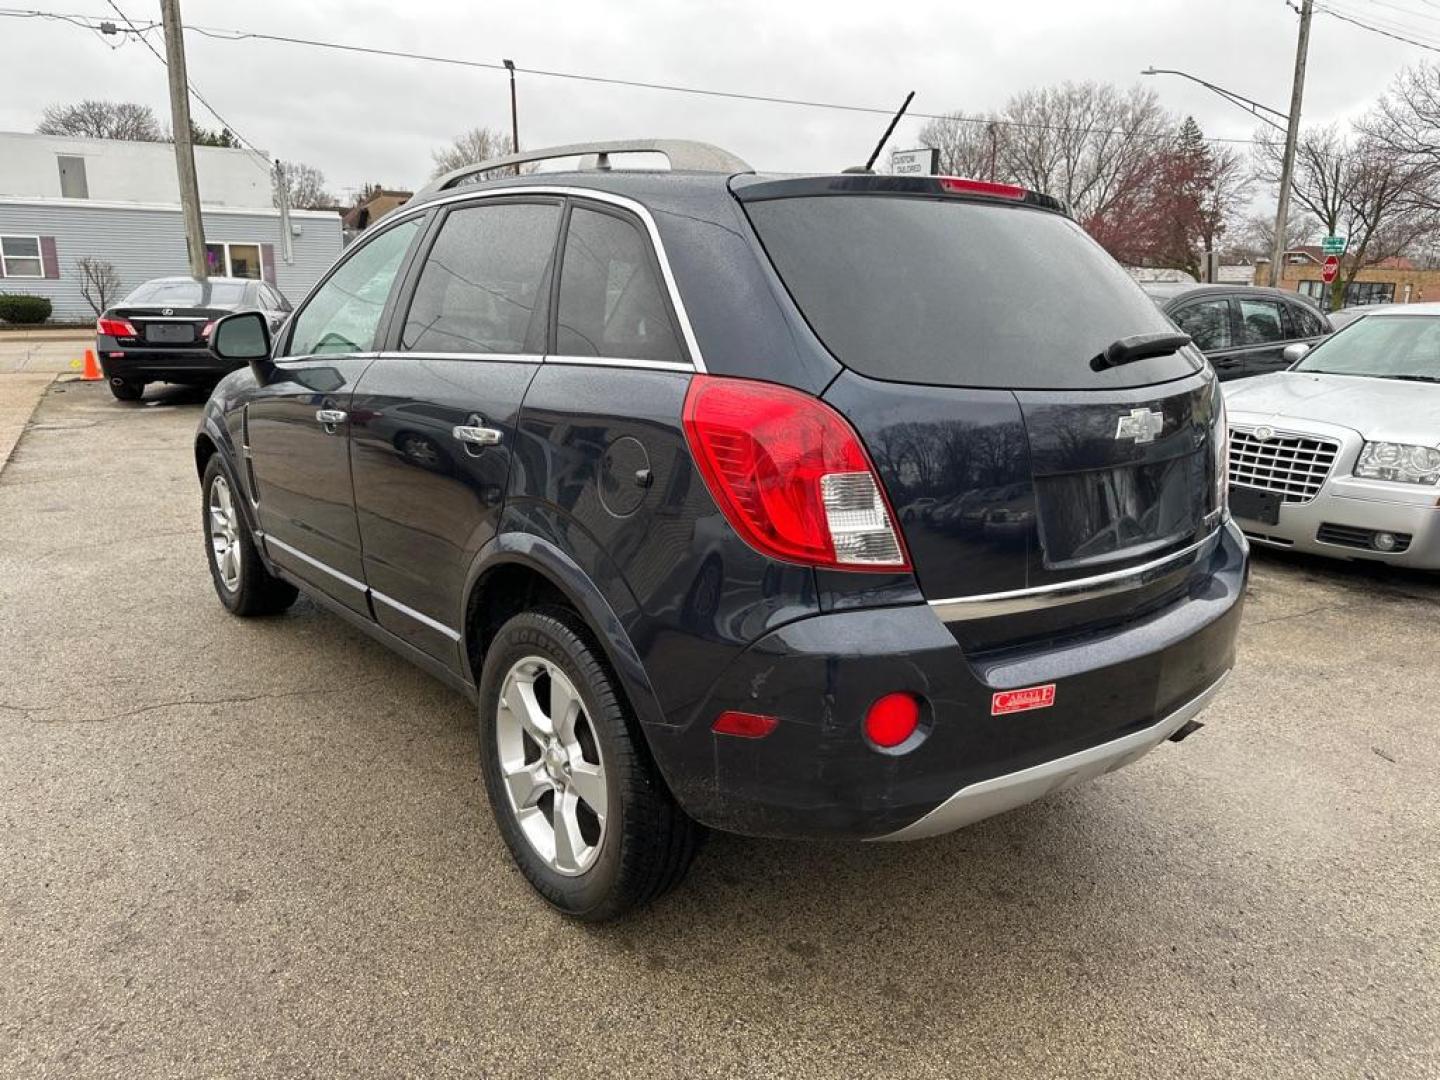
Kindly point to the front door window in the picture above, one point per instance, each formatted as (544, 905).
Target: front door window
(344, 313)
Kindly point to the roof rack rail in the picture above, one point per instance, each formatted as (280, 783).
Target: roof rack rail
(680, 153)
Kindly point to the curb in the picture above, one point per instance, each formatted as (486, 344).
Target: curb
(29, 388)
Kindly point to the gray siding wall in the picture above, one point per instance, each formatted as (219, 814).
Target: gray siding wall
(145, 243)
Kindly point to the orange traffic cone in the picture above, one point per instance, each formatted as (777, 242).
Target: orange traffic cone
(92, 369)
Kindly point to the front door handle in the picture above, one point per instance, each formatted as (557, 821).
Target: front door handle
(330, 418)
(477, 436)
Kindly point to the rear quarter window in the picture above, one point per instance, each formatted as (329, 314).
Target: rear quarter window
(958, 293)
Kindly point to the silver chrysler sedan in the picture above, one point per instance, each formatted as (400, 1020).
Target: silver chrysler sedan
(1340, 454)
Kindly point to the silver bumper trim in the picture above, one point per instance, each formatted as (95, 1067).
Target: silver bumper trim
(1001, 793)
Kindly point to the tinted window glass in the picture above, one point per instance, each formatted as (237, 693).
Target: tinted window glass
(1207, 323)
(344, 312)
(1260, 321)
(482, 281)
(959, 293)
(188, 293)
(610, 301)
(1307, 323)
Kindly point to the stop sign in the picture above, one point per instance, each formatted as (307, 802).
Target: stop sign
(1330, 269)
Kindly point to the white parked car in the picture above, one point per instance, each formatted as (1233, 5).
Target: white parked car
(1340, 454)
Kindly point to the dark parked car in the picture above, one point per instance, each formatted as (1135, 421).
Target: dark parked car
(650, 465)
(1242, 330)
(161, 331)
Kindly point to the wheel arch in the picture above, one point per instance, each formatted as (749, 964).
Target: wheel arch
(516, 571)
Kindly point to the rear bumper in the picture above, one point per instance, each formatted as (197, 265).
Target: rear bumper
(1001, 793)
(1119, 692)
(160, 365)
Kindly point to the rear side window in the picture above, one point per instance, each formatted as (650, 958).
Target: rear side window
(1307, 323)
(1207, 322)
(959, 293)
(611, 303)
(1261, 321)
(482, 281)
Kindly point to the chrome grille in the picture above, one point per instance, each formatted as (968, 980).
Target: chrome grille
(1295, 466)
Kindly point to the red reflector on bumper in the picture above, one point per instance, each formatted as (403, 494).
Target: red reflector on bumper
(744, 724)
(1031, 697)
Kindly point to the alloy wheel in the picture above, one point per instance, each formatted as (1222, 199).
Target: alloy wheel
(224, 534)
(551, 764)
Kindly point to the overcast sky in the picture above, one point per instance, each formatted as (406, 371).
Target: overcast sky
(362, 119)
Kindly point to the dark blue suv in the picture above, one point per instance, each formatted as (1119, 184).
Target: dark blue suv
(841, 506)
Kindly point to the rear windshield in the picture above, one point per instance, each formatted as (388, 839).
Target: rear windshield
(959, 293)
(188, 293)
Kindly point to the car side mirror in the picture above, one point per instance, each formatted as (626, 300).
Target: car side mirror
(244, 336)
(1294, 353)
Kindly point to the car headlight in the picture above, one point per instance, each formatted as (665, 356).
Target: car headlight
(1399, 462)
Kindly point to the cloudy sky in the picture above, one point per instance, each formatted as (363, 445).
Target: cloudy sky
(364, 118)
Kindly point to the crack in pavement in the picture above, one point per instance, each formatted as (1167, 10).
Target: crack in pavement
(229, 699)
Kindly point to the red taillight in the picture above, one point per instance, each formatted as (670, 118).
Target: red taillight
(892, 720)
(790, 475)
(745, 725)
(962, 186)
(114, 328)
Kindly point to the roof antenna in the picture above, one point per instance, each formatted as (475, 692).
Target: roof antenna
(869, 166)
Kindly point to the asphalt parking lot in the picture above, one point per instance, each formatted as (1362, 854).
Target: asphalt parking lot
(261, 848)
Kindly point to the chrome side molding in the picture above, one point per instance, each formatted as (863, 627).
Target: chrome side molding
(990, 605)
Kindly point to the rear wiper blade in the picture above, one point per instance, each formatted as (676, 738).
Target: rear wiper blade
(1140, 347)
(1413, 378)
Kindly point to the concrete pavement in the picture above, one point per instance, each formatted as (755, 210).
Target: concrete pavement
(261, 848)
(44, 350)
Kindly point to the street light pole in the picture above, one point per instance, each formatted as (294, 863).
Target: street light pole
(514, 116)
(184, 149)
(1292, 134)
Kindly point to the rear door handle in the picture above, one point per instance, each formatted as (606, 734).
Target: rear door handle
(330, 417)
(477, 436)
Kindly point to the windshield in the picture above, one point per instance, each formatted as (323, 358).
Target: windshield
(1382, 347)
(959, 293)
(189, 293)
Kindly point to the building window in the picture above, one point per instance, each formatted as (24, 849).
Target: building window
(73, 184)
(234, 260)
(1313, 289)
(20, 257)
(1370, 292)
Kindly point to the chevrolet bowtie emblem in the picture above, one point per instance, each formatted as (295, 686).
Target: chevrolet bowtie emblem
(1142, 425)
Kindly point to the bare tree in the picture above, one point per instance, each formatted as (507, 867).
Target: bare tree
(102, 120)
(305, 185)
(476, 145)
(969, 146)
(1088, 144)
(99, 282)
(1383, 201)
(1252, 237)
(1406, 122)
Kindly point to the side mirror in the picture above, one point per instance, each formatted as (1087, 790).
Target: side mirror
(1294, 353)
(244, 336)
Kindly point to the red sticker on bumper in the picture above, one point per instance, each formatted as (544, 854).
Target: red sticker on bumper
(1013, 701)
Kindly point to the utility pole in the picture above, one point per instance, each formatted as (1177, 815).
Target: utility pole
(184, 150)
(514, 116)
(1292, 133)
(282, 196)
(992, 132)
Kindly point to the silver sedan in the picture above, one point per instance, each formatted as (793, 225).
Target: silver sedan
(1340, 455)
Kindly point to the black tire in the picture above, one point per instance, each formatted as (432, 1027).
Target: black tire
(127, 390)
(648, 842)
(256, 591)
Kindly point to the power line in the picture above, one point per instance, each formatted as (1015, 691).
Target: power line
(221, 34)
(256, 155)
(1376, 29)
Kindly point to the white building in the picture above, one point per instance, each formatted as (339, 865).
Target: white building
(63, 199)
